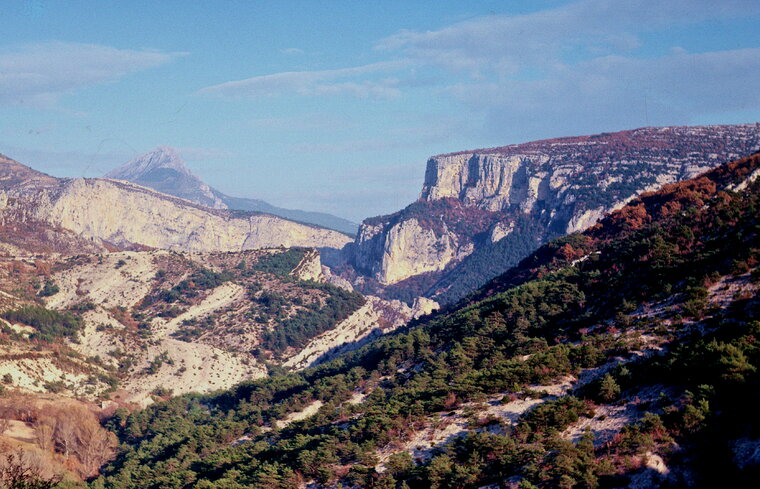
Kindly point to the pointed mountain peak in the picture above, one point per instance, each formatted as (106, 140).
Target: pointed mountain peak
(161, 157)
(163, 170)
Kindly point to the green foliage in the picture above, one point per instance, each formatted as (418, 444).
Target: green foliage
(201, 279)
(696, 301)
(490, 260)
(161, 391)
(297, 330)
(609, 390)
(272, 302)
(399, 463)
(83, 307)
(55, 387)
(280, 264)
(50, 288)
(554, 416)
(50, 325)
(158, 361)
(191, 329)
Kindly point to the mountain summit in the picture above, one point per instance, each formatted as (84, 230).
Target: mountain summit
(163, 169)
(162, 157)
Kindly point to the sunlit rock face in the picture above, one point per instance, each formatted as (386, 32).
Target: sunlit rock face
(560, 185)
(125, 214)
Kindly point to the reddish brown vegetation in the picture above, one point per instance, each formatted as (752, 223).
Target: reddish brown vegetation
(667, 202)
(67, 435)
(671, 199)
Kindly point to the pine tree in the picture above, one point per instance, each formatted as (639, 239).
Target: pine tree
(609, 390)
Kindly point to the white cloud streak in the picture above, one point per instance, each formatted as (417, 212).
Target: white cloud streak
(505, 44)
(38, 74)
(353, 81)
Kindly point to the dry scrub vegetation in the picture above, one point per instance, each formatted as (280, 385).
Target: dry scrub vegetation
(54, 436)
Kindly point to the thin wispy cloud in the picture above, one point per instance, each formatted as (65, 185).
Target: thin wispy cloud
(68, 163)
(506, 44)
(365, 98)
(38, 74)
(359, 81)
(305, 122)
(414, 134)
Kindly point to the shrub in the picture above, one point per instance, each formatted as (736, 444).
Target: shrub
(49, 289)
(299, 329)
(162, 391)
(200, 279)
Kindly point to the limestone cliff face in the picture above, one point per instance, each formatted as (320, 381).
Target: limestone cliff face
(407, 247)
(127, 214)
(492, 182)
(553, 187)
(410, 250)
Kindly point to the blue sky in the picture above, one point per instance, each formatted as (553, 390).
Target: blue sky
(335, 106)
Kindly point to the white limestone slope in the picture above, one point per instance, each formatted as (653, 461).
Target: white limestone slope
(127, 214)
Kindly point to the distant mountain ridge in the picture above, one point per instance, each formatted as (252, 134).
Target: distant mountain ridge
(124, 215)
(482, 211)
(163, 169)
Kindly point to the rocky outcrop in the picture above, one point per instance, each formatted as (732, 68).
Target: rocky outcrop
(407, 249)
(425, 237)
(552, 187)
(492, 182)
(309, 268)
(501, 230)
(22, 235)
(589, 175)
(126, 214)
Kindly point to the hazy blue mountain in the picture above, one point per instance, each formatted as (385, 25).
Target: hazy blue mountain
(163, 170)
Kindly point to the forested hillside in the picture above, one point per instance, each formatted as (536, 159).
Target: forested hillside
(624, 354)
